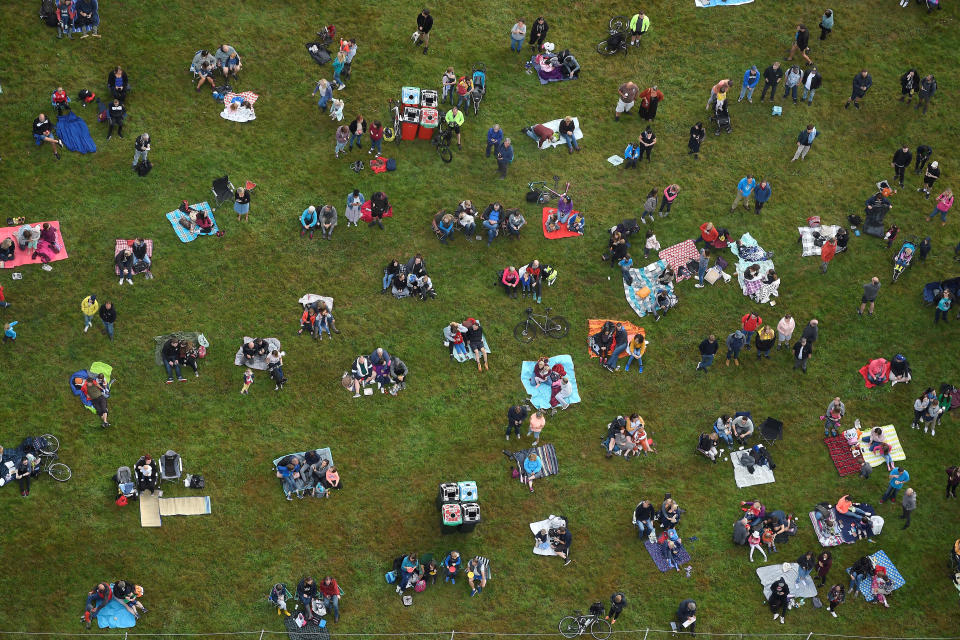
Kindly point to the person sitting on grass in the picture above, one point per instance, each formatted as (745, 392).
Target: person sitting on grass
(43, 132)
(450, 565)
(476, 575)
(331, 593)
(171, 359)
(308, 320)
(669, 513)
(723, 427)
(575, 223)
(643, 515)
(619, 441)
(560, 540)
(362, 374)
(308, 221)
(707, 445)
(515, 222)
(96, 599)
(742, 429)
(444, 224)
(205, 73)
(289, 471)
(474, 338)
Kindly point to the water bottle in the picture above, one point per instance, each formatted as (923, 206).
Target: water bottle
(856, 232)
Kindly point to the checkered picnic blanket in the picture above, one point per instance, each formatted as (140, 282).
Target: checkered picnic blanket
(647, 277)
(122, 244)
(880, 559)
(249, 96)
(807, 236)
(680, 254)
(181, 231)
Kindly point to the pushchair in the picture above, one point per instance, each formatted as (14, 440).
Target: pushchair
(903, 258)
(722, 118)
(327, 34)
(479, 86)
(126, 487)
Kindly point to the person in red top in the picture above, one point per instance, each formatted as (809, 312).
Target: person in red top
(649, 99)
(101, 595)
(750, 323)
(708, 234)
(307, 320)
(3, 301)
(533, 270)
(331, 596)
(376, 137)
(60, 100)
(827, 251)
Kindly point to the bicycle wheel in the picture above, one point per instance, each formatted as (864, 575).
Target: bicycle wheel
(558, 327)
(445, 154)
(601, 629)
(570, 627)
(59, 471)
(617, 23)
(53, 445)
(604, 50)
(524, 332)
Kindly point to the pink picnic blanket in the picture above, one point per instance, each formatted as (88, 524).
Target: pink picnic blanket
(249, 96)
(44, 253)
(678, 255)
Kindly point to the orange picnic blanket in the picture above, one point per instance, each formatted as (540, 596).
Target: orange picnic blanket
(594, 325)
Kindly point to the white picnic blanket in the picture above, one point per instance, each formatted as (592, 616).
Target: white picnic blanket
(773, 572)
(720, 3)
(311, 298)
(807, 237)
(761, 474)
(555, 126)
(550, 523)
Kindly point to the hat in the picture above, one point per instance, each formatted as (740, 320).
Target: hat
(755, 534)
(933, 165)
(470, 321)
(549, 47)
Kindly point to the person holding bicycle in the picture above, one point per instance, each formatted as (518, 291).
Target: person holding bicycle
(454, 120)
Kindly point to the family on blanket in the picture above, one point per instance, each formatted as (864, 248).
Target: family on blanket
(773, 526)
(419, 572)
(310, 474)
(41, 241)
(408, 280)
(317, 318)
(195, 220)
(467, 339)
(108, 595)
(388, 372)
(628, 437)
(557, 540)
(175, 353)
(555, 375)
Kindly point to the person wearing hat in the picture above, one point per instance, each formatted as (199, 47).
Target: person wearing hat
(929, 177)
(756, 544)
(735, 342)
(89, 306)
(687, 615)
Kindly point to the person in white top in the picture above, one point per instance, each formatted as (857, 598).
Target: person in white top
(517, 35)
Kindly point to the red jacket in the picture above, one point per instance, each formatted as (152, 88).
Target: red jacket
(329, 590)
(751, 321)
(60, 97)
(708, 236)
(827, 251)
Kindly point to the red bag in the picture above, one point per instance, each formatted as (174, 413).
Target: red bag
(122, 501)
(202, 352)
(378, 164)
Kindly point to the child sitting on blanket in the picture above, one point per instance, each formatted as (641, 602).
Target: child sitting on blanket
(542, 540)
(575, 223)
(541, 372)
(553, 222)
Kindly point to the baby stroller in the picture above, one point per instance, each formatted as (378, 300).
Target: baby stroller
(479, 86)
(327, 34)
(903, 258)
(722, 118)
(126, 487)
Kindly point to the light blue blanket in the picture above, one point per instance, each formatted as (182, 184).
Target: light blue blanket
(540, 395)
(114, 615)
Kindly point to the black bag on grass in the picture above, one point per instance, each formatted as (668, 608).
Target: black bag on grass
(144, 167)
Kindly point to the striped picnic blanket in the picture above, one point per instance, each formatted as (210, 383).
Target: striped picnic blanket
(547, 455)
(182, 232)
(249, 96)
(122, 244)
(896, 451)
(680, 254)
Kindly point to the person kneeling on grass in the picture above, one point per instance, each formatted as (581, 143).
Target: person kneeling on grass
(476, 575)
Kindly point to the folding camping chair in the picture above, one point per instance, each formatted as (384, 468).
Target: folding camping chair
(771, 430)
(222, 190)
(171, 466)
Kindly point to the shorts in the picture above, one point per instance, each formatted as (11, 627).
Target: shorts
(476, 346)
(100, 405)
(454, 127)
(623, 107)
(865, 300)
(636, 32)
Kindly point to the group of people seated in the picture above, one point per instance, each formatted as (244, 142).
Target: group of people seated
(557, 539)
(865, 575)
(96, 390)
(175, 353)
(317, 318)
(413, 572)
(494, 219)
(529, 279)
(40, 241)
(774, 526)
(737, 429)
(125, 592)
(823, 513)
(668, 515)
(565, 217)
(628, 437)
(316, 598)
(194, 220)
(556, 66)
(133, 260)
(205, 64)
(324, 219)
(309, 473)
(409, 279)
(388, 372)
(561, 389)
(466, 339)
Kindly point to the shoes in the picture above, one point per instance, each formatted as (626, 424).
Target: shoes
(129, 281)
(181, 379)
(568, 561)
(121, 282)
(698, 286)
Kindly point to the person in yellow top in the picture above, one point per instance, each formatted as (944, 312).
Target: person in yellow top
(89, 307)
(639, 25)
(454, 119)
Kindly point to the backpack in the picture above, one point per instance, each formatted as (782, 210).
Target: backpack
(48, 12)
(391, 164)
(596, 609)
(144, 167)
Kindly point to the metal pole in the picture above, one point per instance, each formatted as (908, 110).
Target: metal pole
(452, 633)
(261, 634)
(645, 633)
(809, 635)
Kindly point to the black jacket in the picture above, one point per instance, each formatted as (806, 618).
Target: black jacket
(621, 336)
(139, 250)
(516, 417)
(803, 39)
(806, 350)
(815, 83)
(928, 87)
(771, 75)
(108, 315)
(708, 348)
(170, 352)
(806, 563)
(616, 607)
(124, 261)
(924, 152)
(909, 83)
(779, 592)
(42, 128)
(538, 31)
(858, 82)
(474, 334)
(902, 158)
(643, 513)
(603, 339)
(116, 112)
(424, 23)
(140, 144)
(111, 76)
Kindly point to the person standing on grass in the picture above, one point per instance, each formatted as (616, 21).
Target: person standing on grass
(923, 154)
(943, 308)
(424, 25)
(861, 84)
(537, 422)
(909, 84)
(944, 202)
(735, 342)
(504, 159)
(801, 353)
(771, 78)
(108, 315)
(760, 196)
(785, 329)
(618, 602)
(448, 85)
(669, 195)
(89, 306)
(804, 141)
(517, 35)
(357, 129)
(928, 87)
(697, 134)
(639, 25)
(115, 115)
(811, 81)
(708, 351)
(494, 138)
(647, 140)
(349, 49)
(744, 189)
(241, 204)
(376, 138)
(835, 598)
(900, 162)
(931, 176)
(628, 93)
(869, 297)
(454, 120)
(791, 82)
(721, 87)
(703, 261)
(751, 78)
(749, 324)
(538, 33)
(909, 504)
(827, 252)
(826, 24)
(953, 481)
(898, 477)
(141, 147)
(516, 416)
(800, 41)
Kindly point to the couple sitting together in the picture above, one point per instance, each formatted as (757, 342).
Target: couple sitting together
(317, 318)
(179, 352)
(628, 437)
(379, 367)
(564, 217)
(408, 280)
(466, 339)
(133, 260)
(309, 473)
(646, 513)
(738, 429)
(194, 220)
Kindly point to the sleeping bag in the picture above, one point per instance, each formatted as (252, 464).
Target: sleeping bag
(74, 133)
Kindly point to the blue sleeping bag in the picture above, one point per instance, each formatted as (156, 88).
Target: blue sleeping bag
(76, 381)
(74, 133)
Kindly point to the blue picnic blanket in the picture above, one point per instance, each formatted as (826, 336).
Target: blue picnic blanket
(74, 133)
(880, 559)
(540, 396)
(647, 277)
(847, 524)
(114, 615)
(658, 553)
(182, 232)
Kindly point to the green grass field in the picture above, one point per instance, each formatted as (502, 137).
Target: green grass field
(206, 574)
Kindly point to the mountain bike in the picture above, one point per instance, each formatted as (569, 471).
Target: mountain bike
(47, 453)
(441, 140)
(544, 192)
(578, 624)
(553, 326)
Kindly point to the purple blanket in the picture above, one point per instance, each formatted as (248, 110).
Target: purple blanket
(658, 552)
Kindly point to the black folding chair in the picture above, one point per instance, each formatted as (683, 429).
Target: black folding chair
(222, 191)
(771, 430)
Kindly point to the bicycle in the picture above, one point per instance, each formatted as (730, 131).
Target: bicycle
(556, 326)
(616, 39)
(47, 452)
(441, 140)
(545, 193)
(578, 624)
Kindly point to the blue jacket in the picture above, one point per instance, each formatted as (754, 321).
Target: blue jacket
(531, 467)
(900, 479)
(745, 186)
(762, 194)
(505, 153)
(450, 562)
(494, 136)
(308, 219)
(10, 333)
(632, 152)
(746, 77)
(446, 229)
